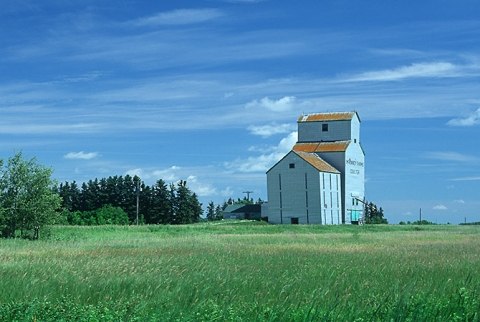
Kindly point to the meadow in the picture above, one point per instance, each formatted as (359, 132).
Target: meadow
(243, 271)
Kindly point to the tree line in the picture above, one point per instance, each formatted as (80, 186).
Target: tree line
(127, 199)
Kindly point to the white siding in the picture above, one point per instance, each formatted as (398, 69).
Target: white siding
(312, 131)
(354, 180)
(299, 193)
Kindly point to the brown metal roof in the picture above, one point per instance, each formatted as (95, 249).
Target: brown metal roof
(320, 117)
(305, 147)
(337, 146)
(317, 162)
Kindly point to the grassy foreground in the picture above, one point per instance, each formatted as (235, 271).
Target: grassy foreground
(243, 271)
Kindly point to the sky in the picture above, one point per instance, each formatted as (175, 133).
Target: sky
(209, 91)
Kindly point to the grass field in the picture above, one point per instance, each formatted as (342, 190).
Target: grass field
(243, 271)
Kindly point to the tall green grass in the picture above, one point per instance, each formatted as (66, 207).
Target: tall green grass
(243, 271)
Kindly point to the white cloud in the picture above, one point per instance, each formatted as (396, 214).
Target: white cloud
(272, 129)
(227, 192)
(440, 207)
(281, 105)
(440, 69)
(263, 162)
(167, 175)
(460, 201)
(473, 119)
(81, 155)
(173, 175)
(180, 17)
(202, 190)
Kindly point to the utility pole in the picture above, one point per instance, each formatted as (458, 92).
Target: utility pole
(138, 199)
(420, 222)
(248, 194)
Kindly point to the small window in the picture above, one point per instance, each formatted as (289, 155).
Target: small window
(291, 165)
(324, 127)
(354, 140)
(294, 221)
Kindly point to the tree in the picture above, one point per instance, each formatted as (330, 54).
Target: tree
(186, 207)
(28, 203)
(218, 213)
(108, 215)
(161, 210)
(374, 215)
(211, 216)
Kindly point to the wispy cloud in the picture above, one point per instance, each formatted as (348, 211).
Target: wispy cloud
(460, 201)
(466, 179)
(81, 155)
(473, 119)
(440, 207)
(242, 1)
(284, 104)
(437, 69)
(180, 17)
(271, 129)
(49, 128)
(450, 156)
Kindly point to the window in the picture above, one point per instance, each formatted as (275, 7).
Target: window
(294, 221)
(291, 165)
(354, 140)
(324, 127)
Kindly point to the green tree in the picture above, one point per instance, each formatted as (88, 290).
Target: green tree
(211, 216)
(187, 208)
(161, 210)
(28, 202)
(374, 215)
(109, 215)
(218, 213)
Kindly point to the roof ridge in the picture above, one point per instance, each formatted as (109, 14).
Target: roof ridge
(319, 163)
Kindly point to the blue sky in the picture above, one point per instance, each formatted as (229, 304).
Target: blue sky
(210, 91)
